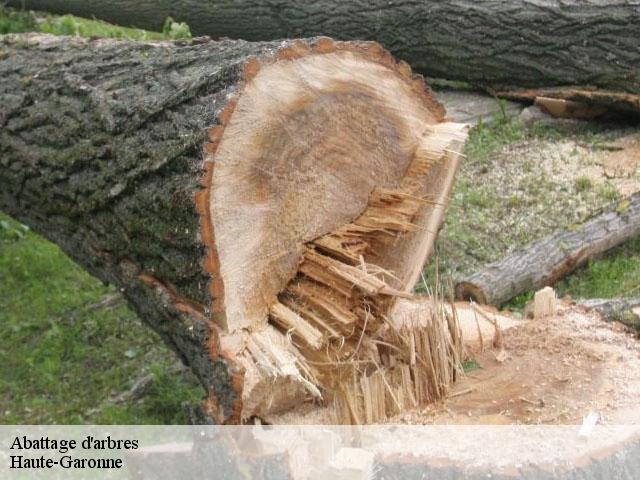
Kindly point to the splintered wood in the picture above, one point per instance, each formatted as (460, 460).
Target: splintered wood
(339, 342)
(415, 361)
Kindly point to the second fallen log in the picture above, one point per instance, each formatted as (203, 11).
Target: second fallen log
(546, 261)
(516, 43)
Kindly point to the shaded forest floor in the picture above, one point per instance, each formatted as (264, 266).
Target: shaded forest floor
(70, 347)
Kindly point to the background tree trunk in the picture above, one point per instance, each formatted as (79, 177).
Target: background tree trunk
(546, 261)
(332, 168)
(497, 44)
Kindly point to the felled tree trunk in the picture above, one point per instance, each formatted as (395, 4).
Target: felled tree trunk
(501, 45)
(260, 205)
(546, 261)
(623, 310)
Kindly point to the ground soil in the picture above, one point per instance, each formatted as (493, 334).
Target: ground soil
(550, 371)
(554, 370)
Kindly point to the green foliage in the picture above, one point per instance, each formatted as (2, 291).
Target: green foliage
(543, 130)
(608, 192)
(582, 184)
(486, 139)
(82, 27)
(519, 302)
(616, 274)
(14, 21)
(481, 197)
(65, 353)
(175, 30)
(10, 230)
(470, 365)
(167, 396)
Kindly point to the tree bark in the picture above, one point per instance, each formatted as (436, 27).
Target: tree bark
(546, 261)
(623, 310)
(497, 44)
(108, 149)
(100, 147)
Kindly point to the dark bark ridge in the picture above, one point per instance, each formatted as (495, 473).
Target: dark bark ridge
(546, 261)
(101, 152)
(523, 43)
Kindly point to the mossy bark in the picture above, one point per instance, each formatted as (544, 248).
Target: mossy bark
(499, 44)
(101, 152)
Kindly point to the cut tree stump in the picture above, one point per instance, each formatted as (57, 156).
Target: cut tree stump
(546, 261)
(577, 50)
(544, 303)
(260, 205)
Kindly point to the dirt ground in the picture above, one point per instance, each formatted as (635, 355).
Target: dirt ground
(551, 371)
(554, 371)
(541, 377)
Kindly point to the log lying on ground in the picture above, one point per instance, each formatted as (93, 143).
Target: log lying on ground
(623, 310)
(588, 102)
(260, 205)
(500, 45)
(546, 261)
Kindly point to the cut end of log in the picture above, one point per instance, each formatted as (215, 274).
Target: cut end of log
(300, 150)
(327, 181)
(470, 292)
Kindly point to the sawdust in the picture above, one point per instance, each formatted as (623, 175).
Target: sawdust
(616, 163)
(554, 371)
(550, 371)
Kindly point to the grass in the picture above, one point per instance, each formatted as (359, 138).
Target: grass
(485, 140)
(519, 302)
(583, 184)
(470, 365)
(64, 355)
(617, 274)
(16, 21)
